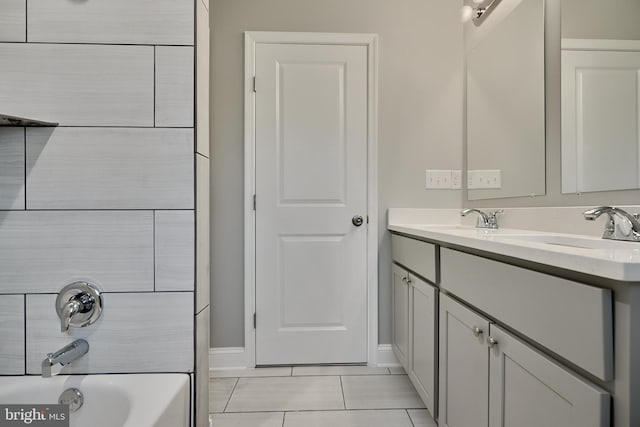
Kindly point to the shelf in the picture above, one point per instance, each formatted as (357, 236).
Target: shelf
(6, 120)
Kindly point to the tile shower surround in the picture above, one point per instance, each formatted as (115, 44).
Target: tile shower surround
(109, 195)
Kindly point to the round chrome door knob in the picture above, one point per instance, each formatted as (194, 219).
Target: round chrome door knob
(357, 220)
(476, 331)
(491, 342)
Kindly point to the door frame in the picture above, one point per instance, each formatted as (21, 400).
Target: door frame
(251, 40)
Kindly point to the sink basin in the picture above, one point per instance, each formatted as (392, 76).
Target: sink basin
(570, 241)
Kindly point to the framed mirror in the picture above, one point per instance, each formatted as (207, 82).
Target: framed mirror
(505, 102)
(600, 60)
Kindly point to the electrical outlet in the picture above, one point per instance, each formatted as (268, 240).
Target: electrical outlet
(456, 179)
(438, 179)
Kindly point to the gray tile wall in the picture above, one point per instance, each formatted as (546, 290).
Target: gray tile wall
(12, 168)
(12, 20)
(109, 195)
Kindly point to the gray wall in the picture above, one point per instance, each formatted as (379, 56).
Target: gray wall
(595, 19)
(554, 196)
(108, 196)
(420, 127)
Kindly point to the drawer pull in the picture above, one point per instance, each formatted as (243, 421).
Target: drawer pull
(477, 331)
(491, 342)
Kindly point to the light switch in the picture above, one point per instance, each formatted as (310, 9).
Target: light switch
(484, 179)
(438, 179)
(456, 179)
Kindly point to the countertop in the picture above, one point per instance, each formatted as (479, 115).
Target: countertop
(587, 254)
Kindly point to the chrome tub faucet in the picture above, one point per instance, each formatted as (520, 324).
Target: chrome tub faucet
(64, 356)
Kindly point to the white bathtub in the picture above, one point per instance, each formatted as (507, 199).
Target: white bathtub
(140, 400)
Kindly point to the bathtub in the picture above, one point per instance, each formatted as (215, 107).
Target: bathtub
(137, 400)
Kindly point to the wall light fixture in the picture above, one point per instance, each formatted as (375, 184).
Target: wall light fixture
(478, 11)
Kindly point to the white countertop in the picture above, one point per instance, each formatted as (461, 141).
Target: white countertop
(587, 254)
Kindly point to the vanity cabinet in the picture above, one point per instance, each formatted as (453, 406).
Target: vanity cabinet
(400, 332)
(421, 366)
(488, 377)
(528, 389)
(415, 315)
(464, 366)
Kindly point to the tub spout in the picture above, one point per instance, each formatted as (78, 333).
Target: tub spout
(64, 356)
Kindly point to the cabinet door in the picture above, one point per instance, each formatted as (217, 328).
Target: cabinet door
(464, 366)
(530, 390)
(400, 339)
(422, 344)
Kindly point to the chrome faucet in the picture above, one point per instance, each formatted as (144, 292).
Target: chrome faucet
(621, 225)
(485, 220)
(64, 356)
(78, 304)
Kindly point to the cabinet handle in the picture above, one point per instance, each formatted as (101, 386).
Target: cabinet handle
(491, 342)
(477, 331)
(406, 280)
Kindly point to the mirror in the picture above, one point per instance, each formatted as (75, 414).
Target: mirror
(505, 102)
(600, 57)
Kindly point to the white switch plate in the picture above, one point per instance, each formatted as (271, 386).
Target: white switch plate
(456, 179)
(483, 179)
(438, 179)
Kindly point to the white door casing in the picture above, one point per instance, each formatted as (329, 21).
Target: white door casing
(310, 132)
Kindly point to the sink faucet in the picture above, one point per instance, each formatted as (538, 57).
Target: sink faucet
(64, 356)
(621, 225)
(485, 220)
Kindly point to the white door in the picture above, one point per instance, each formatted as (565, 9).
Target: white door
(311, 180)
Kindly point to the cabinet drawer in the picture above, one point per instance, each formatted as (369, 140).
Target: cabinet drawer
(571, 319)
(415, 255)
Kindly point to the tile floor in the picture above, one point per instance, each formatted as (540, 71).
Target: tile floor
(315, 396)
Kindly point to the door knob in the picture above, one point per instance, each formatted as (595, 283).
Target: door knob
(357, 220)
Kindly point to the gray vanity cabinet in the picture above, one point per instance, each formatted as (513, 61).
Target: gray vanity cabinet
(464, 366)
(488, 377)
(422, 338)
(414, 331)
(415, 314)
(400, 332)
(527, 389)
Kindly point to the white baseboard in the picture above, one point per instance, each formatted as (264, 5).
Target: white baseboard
(234, 357)
(386, 358)
(227, 358)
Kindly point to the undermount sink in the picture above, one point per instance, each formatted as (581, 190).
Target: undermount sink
(570, 241)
